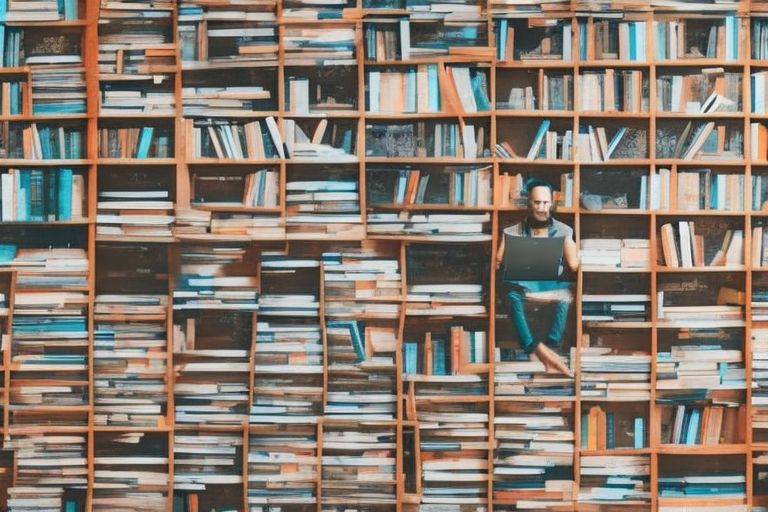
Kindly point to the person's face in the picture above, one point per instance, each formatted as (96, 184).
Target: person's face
(541, 204)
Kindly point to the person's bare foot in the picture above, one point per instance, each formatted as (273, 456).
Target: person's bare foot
(552, 361)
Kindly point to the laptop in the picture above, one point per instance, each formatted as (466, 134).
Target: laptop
(532, 258)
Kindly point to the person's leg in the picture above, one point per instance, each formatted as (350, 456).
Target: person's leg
(562, 306)
(516, 298)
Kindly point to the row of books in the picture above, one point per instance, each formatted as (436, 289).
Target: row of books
(683, 247)
(439, 139)
(122, 100)
(619, 479)
(130, 360)
(615, 252)
(257, 140)
(612, 369)
(419, 90)
(43, 142)
(211, 101)
(144, 142)
(254, 189)
(607, 430)
(440, 355)
(35, 195)
(138, 213)
(556, 93)
(615, 307)
(610, 90)
(700, 425)
(12, 94)
(460, 186)
(438, 226)
(711, 90)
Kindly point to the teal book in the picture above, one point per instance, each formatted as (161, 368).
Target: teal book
(692, 432)
(145, 142)
(438, 357)
(36, 196)
(64, 203)
(434, 88)
(51, 193)
(24, 196)
(639, 430)
(661, 40)
(501, 39)
(610, 430)
(7, 252)
(480, 91)
(410, 358)
(44, 132)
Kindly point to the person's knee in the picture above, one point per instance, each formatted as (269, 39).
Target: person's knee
(516, 297)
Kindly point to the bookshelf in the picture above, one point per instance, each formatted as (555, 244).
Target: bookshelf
(247, 255)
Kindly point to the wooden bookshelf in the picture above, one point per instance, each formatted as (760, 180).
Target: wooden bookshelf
(247, 255)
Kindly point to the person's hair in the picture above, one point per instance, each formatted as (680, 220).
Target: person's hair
(536, 182)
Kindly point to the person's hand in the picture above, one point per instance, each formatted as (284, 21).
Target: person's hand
(498, 264)
(552, 361)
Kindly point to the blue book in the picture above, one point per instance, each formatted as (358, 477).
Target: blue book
(639, 433)
(44, 133)
(402, 184)
(661, 40)
(692, 431)
(354, 332)
(458, 187)
(434, 88)
(64, 192)
(24, 196)
(346, 141)
(3, 57)
(438, 357)
(36, 195)
(479, 91)
(75, 146)
(584, 430)
(15, 94)
(262, 181)
(501, 40)
(329, 15)
(145, 142)
(7, 252)
(410, 358)
(610, 430)
(632, 41)
(411, 94)
(537, 140)
(583, 39)
(70, 9)
(615, 140)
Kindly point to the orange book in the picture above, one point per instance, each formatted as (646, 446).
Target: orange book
(192, 502)
(592, 420)
(428, 353)
(412, 186)
(602, 429)
(668, 246)
(455, 350)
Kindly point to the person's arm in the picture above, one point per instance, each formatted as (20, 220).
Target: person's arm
(571, 254)
(500, 252)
